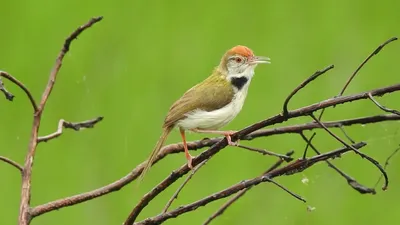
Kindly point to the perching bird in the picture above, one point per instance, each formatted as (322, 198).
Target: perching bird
(212, 103)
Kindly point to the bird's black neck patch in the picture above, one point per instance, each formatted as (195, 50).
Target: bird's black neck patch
(239, 82)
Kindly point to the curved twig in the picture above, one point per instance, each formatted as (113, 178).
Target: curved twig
(383, 107)
(302, 85)
(375, 52)
(75, 126)
(22, 86)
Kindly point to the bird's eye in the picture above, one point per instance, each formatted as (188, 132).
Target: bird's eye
(238, 59)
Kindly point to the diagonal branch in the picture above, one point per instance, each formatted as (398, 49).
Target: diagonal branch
(20, 85)
(12, 163)
(75, 126)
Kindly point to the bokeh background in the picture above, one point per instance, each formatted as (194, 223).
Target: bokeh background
(131, 66)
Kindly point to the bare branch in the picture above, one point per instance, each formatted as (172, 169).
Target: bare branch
(12, 163)
(175, 195)
(25, 213)
(292, 168)
(20, 85)
(302, 85)
(76, 126)
(373, 161)
(351, 181)
(383, 107)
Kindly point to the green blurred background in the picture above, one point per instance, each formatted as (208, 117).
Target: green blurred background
(131, 66)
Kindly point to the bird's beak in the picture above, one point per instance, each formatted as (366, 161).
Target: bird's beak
(259, 60)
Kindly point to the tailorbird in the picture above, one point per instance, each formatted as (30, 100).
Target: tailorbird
(214, 102)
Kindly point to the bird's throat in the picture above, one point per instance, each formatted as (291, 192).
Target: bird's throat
(239, 82)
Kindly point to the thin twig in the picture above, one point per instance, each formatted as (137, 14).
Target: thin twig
(12, 163)
(302, 85)
(22, 86)
(265, 152)
(292, 168)
(375, 52)
(387, 163)
(175, 195)
(6, 93)
(383, 107)
(351, 181)
(373, 161)
(75, 126)
(308, 143)
(345, 134)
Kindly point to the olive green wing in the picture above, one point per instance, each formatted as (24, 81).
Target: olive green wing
(213, 93)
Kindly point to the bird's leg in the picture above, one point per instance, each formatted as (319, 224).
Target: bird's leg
(226, 133)
(187, 154)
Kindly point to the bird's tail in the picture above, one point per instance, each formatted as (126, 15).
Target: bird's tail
(155, 151)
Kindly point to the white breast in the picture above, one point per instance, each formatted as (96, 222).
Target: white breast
(216, 119)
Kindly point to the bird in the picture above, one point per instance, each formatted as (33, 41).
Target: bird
(212, 103)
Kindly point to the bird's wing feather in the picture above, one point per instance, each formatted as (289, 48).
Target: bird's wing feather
(213, 93)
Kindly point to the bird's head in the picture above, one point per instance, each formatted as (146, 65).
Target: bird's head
(240, 59)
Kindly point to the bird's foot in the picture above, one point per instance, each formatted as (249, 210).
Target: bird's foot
(189, 160)
(228, 134)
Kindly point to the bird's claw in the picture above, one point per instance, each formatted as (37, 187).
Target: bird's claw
(229, 139)
(189, 162)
